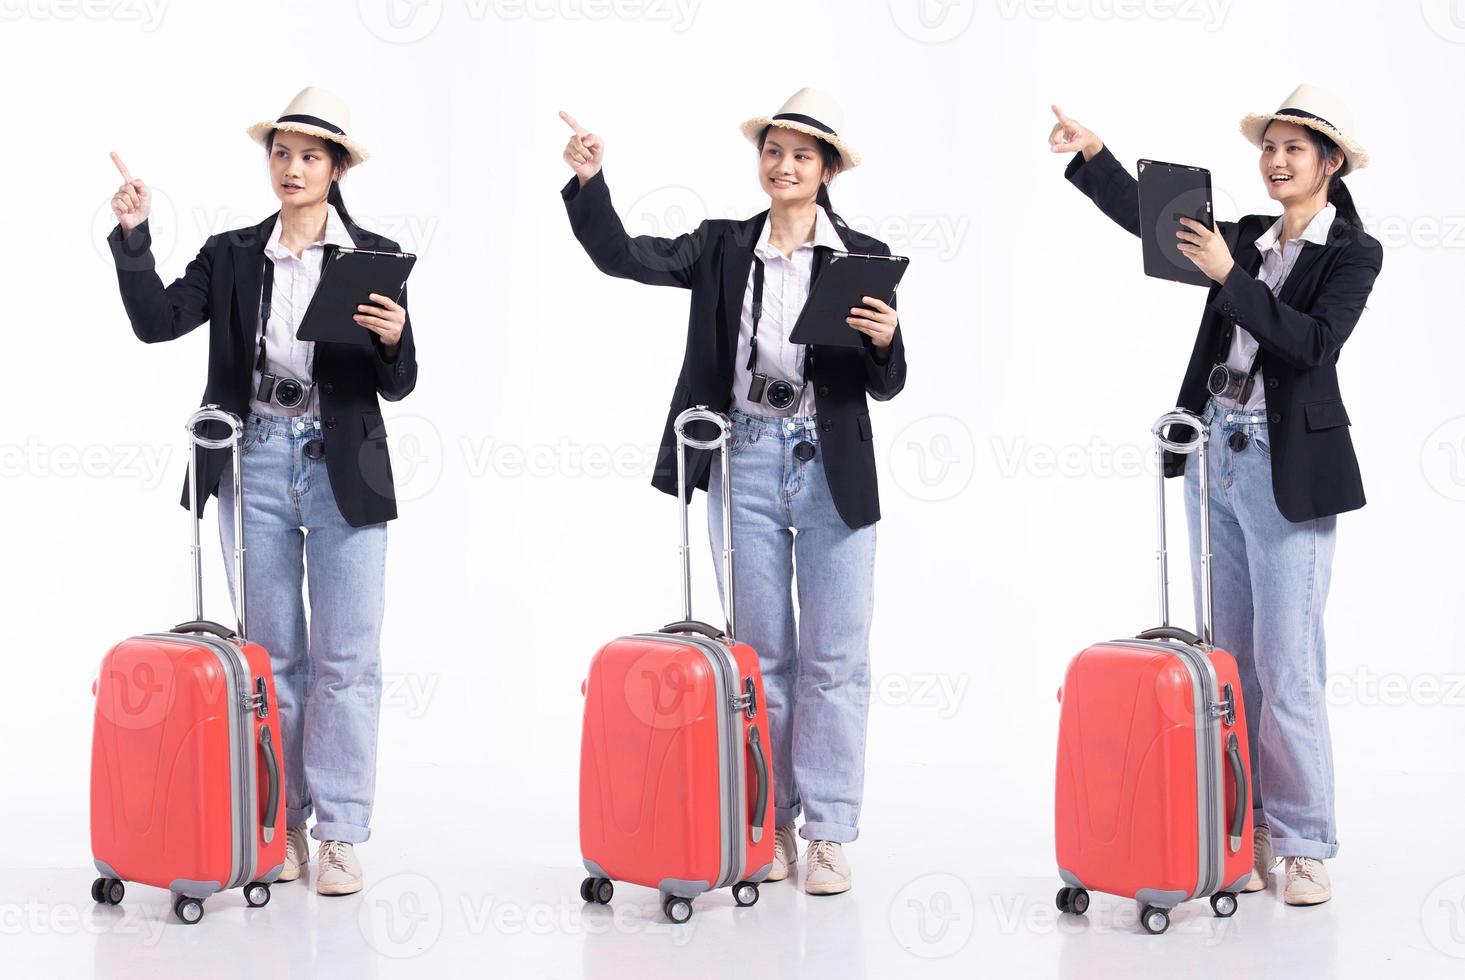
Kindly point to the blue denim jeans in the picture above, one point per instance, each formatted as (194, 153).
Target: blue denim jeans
(816, 671)
(327, 671)
(1269, 580)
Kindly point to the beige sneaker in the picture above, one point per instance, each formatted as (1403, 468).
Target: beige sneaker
(785, 853)
(297, 853)
(829, 873)
(340, 872)
(1307, 882)
(1261, 874)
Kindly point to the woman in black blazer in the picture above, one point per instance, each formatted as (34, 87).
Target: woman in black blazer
(317, 473)
(801, 443)
(1286, 293)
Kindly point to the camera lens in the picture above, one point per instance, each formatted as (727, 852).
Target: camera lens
(289, 393)
(1219, 380)
(780, 394)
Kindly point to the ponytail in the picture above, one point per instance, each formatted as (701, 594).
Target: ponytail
(333, 196)
(822, 199)
(1341, 198)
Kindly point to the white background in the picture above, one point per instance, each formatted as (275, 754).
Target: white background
(1015, 468)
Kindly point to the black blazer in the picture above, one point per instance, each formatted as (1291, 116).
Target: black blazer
(713, 262)
(1299, 332)
(222, 286)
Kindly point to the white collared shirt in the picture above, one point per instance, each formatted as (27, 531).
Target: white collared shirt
(1278, 258)
(295, 282)
(786, 282)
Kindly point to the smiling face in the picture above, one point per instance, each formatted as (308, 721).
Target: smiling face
(302, 168)
(791, 166)
(1292, 166)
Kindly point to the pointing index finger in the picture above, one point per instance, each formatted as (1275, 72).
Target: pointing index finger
(121, 167)
(573, 124)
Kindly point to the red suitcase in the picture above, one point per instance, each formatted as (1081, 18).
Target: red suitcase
(187, 787)
(675, 783)
(1152, 798)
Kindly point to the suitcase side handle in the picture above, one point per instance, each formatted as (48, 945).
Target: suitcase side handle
(1197, 445)
(701, 413)
(272, 771)
(232, 442)
(1243, 796)
(760, 768)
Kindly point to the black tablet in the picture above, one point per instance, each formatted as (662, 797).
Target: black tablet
(349, 278)
(1168, 192)
(843, 282)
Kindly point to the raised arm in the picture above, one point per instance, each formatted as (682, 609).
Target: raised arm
(156, 313)
(644, 258)
(1095, 171)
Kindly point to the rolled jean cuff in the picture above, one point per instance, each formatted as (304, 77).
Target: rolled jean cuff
(784, 816)
(295, 816)
(1289, 847)
(344, 832)
(839, 833)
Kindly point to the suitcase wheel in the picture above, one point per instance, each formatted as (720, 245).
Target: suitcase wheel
(676, 908)
(257, 894)
(1223, 904)
(188, 910)
(599, 890)
(1074, 901)
(1154, 920)
(745, 893)
(108, 890)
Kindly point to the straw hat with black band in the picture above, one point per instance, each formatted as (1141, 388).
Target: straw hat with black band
(812, 112)
(314, 112)
(1316, 109)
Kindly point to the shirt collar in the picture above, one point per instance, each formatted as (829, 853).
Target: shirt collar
(824, 234)
(335, 234)
(1315, 232)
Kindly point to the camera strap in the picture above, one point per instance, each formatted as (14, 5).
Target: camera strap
(758, 315)
(266, 296)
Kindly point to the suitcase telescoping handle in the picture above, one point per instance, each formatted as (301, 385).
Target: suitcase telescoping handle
(1196, 445)
(213, 413)
(718, 444)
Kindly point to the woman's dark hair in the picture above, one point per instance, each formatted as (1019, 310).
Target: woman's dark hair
(829, 157)
(1338, 193)
(340, 157)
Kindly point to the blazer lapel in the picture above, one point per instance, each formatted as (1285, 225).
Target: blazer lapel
(1310, 253)
(737, 262)
(249, 250)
